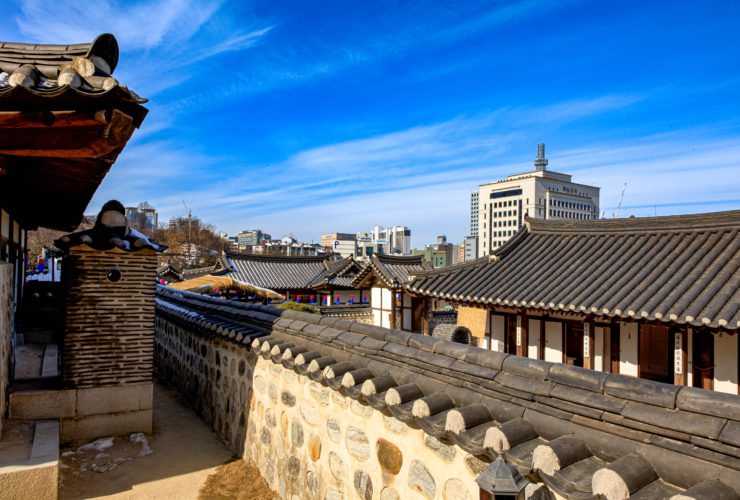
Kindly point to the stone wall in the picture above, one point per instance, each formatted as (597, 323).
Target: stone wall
(333, 409)
(6, 331)
(307, 440)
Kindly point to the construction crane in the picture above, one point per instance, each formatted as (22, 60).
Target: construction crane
(619, 205)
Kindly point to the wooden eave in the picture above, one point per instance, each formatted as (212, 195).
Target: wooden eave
(52, 162)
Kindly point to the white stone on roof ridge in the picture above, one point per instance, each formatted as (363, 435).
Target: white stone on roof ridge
(4, 77)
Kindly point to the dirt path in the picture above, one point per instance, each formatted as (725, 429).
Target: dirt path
(174, 462)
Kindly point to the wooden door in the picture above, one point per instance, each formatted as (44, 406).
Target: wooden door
(614, 348)
(574, 343)
(703, 360)
(654, 354)
(511, 333)
(417, 314)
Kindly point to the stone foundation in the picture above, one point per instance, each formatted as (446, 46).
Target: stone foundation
(6, 332)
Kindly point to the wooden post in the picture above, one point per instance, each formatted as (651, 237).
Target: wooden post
(680, 355)
(393, 310)
(522, 337)
(588, 343)
(425, 317)
(541, 353)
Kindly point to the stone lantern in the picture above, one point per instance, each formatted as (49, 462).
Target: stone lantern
(501, 481)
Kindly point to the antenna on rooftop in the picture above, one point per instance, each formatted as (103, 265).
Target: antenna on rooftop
(541, 161)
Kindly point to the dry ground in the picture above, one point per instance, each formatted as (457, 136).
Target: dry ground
(181, 459)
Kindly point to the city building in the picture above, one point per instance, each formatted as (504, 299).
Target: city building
(471, 248)
(142, 217)
(183, 223)
(250, 238)
(474, 209)
(384, 240)
(539, 194)
(344, 244)
(440, 254)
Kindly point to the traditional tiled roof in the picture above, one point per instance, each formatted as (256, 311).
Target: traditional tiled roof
(392, 270)
(197, 272)
(111, 230)
(338, 274)
(70, 74)
(169, 273)
(581, 433)
(63, 122)
(683, 269)
(275, 272)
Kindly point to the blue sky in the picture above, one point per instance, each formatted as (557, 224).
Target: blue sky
(312, 117)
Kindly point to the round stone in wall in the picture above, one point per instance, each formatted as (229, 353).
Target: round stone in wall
(389, 456)
(314, 447)
(336, 465)
(333, 430)
(313, 483)
(294, 466)
(270, 472)
(475, 465)
(296, 433)
(252, 427)
(319, 393)
(363, 484)
(360, 409)
(389, 493)
(332, 494)
(270, 417)
(309, 412)
(339, 400)
(395, 425)
(275, 369)
(272, 392)
(357, 444)
(259, 383)
(445, 451)
(289, 377)
(455, 490)
(242, 367)
(284, 423)
(265, 436)
(421, 480)
(287, 398)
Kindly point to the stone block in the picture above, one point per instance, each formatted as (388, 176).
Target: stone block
(110, 424)
(109, 399)
(40, 405)
(146, 401)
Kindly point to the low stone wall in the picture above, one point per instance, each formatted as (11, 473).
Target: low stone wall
(6, 331)
(333, 409)
(308, 440)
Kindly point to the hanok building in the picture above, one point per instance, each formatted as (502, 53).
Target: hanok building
(656, 298)
(391, 305)
(63, 122)
(317, 280)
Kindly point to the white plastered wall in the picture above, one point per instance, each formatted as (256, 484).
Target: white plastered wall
(628, 351)
(554, 341)
(376, 303)
(725, 363)
(498, 332)
(533, 339)
(598, 348)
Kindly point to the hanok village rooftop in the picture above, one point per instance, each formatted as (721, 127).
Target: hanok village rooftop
(603, 364)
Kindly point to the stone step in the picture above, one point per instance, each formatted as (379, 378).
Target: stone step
(29, 459)
(35, 361)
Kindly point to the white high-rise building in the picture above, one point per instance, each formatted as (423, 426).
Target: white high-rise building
(540, 194)
(474, 213)
(392, 240)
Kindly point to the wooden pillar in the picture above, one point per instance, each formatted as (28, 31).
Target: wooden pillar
(588, 344)
(425, 317)
(541, 353)
(680, 338)
(394, 305)
(522, 337)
